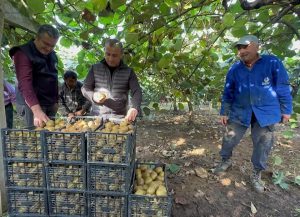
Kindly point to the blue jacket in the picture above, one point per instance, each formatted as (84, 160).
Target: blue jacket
(264, 90)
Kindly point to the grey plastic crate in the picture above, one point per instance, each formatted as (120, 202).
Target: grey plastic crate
(26, 174)
(110, 148)
(66, 176)
(149, 205)
(67, 203)
(22, 144)
(65, 147)
(109, 177)
(107, 205)
(27, 203)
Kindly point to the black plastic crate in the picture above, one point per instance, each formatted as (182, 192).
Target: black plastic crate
(27, 203)
(22, 144)
(65, 147)
(25, 174)
(110, 148)
(109, 177)
(67, 203)
(66, 176)
(149, 205)
(107, 205)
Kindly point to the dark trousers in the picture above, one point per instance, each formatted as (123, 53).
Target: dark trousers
(9, 112)
(262, 138)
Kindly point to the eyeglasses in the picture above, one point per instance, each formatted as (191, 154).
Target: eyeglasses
(242, 46)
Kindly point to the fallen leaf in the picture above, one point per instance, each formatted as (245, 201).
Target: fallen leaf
(253, 209)
(199, 193)
(226, 181)
(180, 200)
(201, 172)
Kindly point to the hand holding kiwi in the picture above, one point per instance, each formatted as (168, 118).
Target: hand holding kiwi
(99, 97)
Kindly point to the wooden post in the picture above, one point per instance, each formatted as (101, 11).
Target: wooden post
(3, 199)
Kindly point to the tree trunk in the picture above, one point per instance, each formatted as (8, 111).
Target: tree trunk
(190, 106)
(3, 199)
(175, 105)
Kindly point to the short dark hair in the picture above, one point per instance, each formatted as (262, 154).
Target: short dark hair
(50, 30)
(113, 42)
(70, 74)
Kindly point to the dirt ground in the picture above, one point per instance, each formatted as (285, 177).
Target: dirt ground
(194, 146)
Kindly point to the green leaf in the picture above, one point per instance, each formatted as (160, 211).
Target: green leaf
(37, 6)
(155, 106)
(288, 134)
(277, 160)
(173, 168)
(79, 69)
(278, 177)
(294, 125)
(131, 37)
(238, 31)
(65, 42)
(236, 8)
(116, 3)
(177, 44)
(186, 85)
(165, 61)
(99, 5)
(164, 9)
(284, 185)
(180, 106)
(228, 19)
(146, 111)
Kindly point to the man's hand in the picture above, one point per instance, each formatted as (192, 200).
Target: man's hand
(71, 115)
(99, 98)
(80, 112)
(39, 117)
(285, 118)
(131, 114)
(224, 120)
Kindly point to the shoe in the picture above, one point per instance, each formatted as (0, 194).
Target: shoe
(222, 167)
(256, 181)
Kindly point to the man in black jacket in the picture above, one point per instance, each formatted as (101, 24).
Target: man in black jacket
(72, 101)
(35, 65)
(108, 83)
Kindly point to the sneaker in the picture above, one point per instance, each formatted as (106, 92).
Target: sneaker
(256, 181)
(222, 167)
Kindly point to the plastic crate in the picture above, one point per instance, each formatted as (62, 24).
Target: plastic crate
(65, 147)
(25, 174)
(109, 178)
(150, 205)
(107, 205)
(22, 144)
(110, 148)
(67, 203)
(66, 176)
(91, 123)
(27, 203)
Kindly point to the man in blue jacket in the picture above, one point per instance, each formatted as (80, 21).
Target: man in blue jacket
(256, 94)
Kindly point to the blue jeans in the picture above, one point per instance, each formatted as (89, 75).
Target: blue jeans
(262, 138)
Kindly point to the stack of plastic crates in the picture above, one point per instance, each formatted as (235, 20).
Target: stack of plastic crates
(110, 161)
(148, 204)
(66, 174)
(23, 152)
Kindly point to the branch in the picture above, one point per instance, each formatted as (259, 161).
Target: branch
(199, 63)
(295, 31)
(260, 3)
